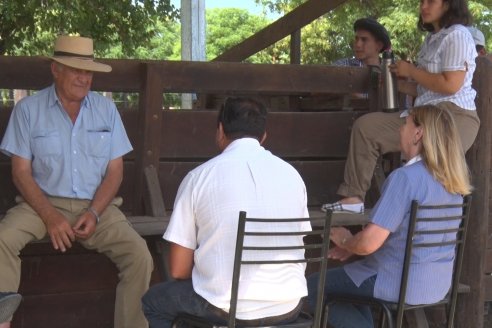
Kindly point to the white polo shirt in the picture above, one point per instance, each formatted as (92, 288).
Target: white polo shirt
(245, 177)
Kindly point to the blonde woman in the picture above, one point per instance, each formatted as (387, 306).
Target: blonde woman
(435, 173)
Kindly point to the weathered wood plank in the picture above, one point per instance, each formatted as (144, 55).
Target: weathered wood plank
(200, 77)
(15, 69)
(191, 134)
(149, 124)
(487, 286)
(321, 178)
(488, 261)
(37, 272)
(230, 78)
(153, 194)
(470, 307)
(7, 189)
(83, 309)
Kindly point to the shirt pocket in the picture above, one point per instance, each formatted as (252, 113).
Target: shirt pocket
(99, 143)
(46, 144)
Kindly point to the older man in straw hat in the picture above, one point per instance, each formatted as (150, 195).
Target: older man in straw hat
(66, 144)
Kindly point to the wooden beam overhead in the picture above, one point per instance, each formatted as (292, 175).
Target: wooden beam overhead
(284, 26)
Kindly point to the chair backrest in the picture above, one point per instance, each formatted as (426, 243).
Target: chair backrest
(254, 246)
(455, 235)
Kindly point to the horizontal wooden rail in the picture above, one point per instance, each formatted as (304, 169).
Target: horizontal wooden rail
(200, 77)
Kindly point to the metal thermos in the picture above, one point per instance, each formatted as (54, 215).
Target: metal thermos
(389, 94)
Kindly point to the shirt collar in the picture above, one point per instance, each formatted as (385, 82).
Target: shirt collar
(414, 160)
(248, 142)
(53, 98)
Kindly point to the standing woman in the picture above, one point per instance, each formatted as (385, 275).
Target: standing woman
(444, 73)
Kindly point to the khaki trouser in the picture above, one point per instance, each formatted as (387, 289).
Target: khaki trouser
(113, 237)
(377, 133)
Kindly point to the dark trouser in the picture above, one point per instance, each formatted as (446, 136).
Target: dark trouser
(165, 301)
(343, 314)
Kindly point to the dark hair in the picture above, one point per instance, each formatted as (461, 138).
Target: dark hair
(479, 48)
(457, 13)
(243, 117)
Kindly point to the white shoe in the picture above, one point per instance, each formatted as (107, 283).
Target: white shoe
(338, 207)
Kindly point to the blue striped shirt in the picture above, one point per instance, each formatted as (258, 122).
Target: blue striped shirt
(450, 49)
(354, 62)
(68, 160)
(431, 269)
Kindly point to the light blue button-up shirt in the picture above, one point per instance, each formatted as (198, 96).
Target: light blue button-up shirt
(68, 160)
(430, 274)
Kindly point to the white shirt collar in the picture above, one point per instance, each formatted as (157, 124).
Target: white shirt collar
(414, 160)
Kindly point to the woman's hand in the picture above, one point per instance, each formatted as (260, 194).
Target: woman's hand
(402, 69)
(340, 235)
(340, 254)
(446, 82)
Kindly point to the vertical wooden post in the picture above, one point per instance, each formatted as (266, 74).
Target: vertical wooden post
(149, 122)
(295, 47)
(295, 58)
(470, 309)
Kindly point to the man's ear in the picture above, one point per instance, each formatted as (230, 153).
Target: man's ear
(54, 68)
(263, 138)
(380, 46)
(220, 137)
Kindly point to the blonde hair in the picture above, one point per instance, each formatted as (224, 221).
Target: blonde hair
(442, 151)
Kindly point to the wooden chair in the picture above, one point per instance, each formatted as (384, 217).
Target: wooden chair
(314, 253)
(388, 309)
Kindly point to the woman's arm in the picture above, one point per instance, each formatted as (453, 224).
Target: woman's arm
(408, 87)
(365, 242)
(448, 82)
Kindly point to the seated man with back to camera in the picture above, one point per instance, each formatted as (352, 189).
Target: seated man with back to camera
(66, 145)
(203, 228)
(435, 173)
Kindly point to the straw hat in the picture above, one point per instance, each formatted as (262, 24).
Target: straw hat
(77, 52)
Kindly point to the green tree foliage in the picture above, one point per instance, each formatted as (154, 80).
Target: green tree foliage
(29, 26)
(164, 44)
(330, 37)
(227, 27)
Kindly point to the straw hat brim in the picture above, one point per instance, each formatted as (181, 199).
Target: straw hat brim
(83, 63)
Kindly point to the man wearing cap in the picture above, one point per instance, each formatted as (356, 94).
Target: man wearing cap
(66, 145)
(371, 38)
(479, 39)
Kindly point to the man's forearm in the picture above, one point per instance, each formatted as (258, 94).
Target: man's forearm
(32, 193)
(109, 187)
